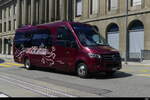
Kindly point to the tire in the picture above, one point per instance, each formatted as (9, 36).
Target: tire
(27, 64)
(82, 70)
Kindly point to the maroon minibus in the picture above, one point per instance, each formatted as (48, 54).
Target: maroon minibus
(65, 46)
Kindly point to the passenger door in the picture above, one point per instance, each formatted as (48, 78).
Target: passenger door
(65, 54)
(72, 51)
(60, 45)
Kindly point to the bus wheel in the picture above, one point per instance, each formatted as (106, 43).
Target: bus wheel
(27, 64)
(82, 70)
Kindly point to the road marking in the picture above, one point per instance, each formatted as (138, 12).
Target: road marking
(46, 91)
(8, 64)
(14, 64)
(145, 75)
(3, 65)
(145, 70)
(136, 71)
(142, 65)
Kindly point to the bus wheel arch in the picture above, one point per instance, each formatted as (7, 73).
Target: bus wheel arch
(81, 69)
(27, 63)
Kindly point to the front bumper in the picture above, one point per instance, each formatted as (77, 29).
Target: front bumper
(106, 66)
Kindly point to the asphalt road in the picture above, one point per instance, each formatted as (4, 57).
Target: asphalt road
(16, 81)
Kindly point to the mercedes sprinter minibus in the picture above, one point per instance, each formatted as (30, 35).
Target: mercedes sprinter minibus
(65, 46)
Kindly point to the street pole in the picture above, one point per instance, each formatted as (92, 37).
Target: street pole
(126, 32)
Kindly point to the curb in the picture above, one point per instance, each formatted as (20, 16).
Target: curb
(144, 65)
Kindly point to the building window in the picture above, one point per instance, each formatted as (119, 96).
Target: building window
(136, 2)
(37, 10)
(8, 11)
(5, 27)
(0, 13)
(94, 6)
(15, 9)
(58, 10)
(78, 7)
(112, 5)
(9, 26)
(15, 24)
(5, 13)
(0, 27)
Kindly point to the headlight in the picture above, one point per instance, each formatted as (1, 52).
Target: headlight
(91, 55)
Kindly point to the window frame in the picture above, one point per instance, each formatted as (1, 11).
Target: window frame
(111, 5)
(136, 3)
(68, 38)
(94, 9)
(79, 11)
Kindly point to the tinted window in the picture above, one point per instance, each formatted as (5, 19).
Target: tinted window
(62, 33)
(22, 39)
(41, 37)
(71, 37)
(65, 34)
(65, 37)
(88, 36)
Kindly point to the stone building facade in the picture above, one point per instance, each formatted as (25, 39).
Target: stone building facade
(108, 15)
(18, 13)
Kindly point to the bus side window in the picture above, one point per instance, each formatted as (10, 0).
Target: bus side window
(61, 33)
(27, 42)
(65, 37)
(71, 40)
(42, 38)
(20, 40)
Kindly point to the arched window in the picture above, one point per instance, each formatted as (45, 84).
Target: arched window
(113, 36)
(136, 39)
(136, 25)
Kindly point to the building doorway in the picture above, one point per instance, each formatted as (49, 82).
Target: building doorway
(136, 40)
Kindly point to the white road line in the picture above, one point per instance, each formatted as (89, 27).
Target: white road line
(35, 88)
(144, 75)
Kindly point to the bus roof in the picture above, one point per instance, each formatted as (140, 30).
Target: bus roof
(30, 27)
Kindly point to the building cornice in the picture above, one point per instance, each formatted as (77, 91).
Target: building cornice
(113, 17)
(5, 2)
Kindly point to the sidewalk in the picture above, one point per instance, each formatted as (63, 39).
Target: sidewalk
(7, 57)
(145, 63)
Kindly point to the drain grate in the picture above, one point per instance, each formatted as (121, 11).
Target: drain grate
(103, 91)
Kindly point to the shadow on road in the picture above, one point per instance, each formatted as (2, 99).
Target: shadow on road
(118, 74)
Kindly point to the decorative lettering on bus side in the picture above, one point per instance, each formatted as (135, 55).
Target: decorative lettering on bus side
(50, 57)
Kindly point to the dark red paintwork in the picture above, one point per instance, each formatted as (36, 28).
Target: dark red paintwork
(66, 59)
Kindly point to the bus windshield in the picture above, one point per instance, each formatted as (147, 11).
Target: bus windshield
(88, 36)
